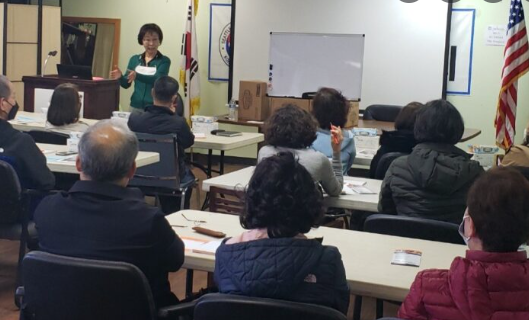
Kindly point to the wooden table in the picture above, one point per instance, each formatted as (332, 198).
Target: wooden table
(366, 256)
(238, 180)
(66, 164)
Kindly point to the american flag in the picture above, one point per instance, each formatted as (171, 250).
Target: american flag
(515, 65)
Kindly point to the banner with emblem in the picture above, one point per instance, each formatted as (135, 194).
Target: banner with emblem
(219, 41)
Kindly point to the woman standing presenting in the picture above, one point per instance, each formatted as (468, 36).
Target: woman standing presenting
(144, 69)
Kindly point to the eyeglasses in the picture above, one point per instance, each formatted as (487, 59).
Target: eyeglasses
(196, 222)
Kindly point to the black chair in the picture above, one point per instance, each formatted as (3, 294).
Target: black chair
(410, 227)
(161, 178)
(382, 112)
(220, 306)
(49, 137)
(59, 287)
(523, 170)
(384, 163)
(14, 212)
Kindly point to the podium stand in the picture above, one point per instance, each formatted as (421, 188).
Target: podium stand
(101, 97)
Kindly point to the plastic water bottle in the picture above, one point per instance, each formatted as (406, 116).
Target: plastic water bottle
(233, 112)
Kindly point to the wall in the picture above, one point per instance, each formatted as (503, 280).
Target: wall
(479, 108)
(170, 15)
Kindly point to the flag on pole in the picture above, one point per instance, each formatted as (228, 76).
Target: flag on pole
(189, 77)
(515, 65)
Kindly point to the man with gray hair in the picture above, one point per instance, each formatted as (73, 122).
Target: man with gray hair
(100, 218)
(18, 148)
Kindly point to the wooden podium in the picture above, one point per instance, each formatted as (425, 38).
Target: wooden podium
(101, 97)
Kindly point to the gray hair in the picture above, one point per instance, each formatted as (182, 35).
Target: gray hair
(107, 151)
(5, 91)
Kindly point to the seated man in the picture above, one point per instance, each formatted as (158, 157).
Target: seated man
(18, 148)
(100, 218)
(162, 118)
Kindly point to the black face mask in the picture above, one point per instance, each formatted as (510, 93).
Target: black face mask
(13, 113)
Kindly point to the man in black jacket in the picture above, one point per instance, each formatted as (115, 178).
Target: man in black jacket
(19, 149)
(100, 218)
(161, 118)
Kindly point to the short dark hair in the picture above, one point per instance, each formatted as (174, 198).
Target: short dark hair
(498, 203)
(65, 105)
(282, 198)
(406, 118)
(439, 122)
(165, 88)
(150, 28)
(291, 127)
(330, 106)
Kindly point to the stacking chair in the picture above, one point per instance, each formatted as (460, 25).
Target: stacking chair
(161, 178)
(220, 306)
(382, 112)
(226, 201)
(384, 163)
(410, 227)
(14, 212)
(60, 287)
(49, 137)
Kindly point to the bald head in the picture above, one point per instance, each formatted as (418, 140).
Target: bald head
(107, 152)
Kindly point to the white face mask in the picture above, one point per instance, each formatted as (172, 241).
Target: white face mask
(462, 230)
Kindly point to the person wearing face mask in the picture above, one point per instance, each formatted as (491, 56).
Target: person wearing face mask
(491, 281)
(18, 148)
(144, 69)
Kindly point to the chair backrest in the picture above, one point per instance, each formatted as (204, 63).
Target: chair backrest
(226, 201)
(11, 202)
(59, 287)
(162, 174)
(228, 307)
(384, 163)
(49, 137)
(382, 112)
(411, 227)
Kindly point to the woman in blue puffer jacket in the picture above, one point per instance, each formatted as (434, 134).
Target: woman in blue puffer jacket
(274, 258)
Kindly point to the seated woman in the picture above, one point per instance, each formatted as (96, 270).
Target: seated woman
(330, 107)
(433, 181)
(492, 281)
(399, 140)
(518, 155)
(274, 259)
(63, 113)
(294, 130)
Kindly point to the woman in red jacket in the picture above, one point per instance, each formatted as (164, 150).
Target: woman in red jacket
(492, 281)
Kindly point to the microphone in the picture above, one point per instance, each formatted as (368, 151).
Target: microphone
(50, 54)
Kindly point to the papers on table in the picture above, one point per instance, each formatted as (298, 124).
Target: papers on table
(356, 187)
(407, 258)
(201, 246)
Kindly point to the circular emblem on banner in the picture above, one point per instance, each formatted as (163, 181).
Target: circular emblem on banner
(225, 44)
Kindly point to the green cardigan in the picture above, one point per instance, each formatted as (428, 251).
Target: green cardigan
(141, 97)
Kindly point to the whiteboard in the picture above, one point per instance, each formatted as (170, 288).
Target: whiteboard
(305, 62)
(404, 49)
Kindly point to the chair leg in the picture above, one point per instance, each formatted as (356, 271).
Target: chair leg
(357, 311)
(182, 199)
(189, 283)
(205, 205)
(380, 308)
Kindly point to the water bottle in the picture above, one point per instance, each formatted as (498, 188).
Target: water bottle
(233, 112)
